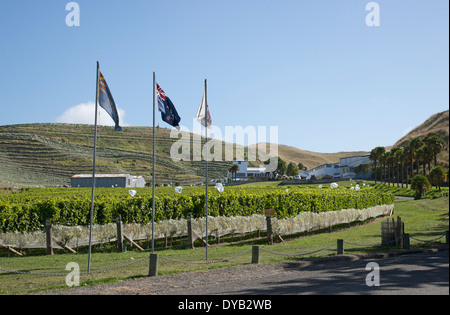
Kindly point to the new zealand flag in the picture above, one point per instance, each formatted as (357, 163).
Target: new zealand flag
(168, 111)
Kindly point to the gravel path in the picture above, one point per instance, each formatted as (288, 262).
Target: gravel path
(332, 275)
(167, 285)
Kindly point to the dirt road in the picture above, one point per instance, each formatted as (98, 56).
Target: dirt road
(418, 272)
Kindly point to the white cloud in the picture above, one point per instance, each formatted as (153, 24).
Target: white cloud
(84, 113)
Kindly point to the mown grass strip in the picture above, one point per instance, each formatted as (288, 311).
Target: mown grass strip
(423, 218)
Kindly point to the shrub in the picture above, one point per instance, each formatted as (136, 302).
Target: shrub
(420, 185)
(437, 175)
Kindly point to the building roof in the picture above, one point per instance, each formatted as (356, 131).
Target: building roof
(256, 169)
(101, 175)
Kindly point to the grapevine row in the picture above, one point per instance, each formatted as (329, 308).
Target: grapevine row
(29, 210)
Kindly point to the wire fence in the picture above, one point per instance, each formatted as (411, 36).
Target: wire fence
(428, 241)
(210, 262)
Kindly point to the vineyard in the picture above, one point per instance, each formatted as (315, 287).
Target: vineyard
(28, 210)
(49, 154)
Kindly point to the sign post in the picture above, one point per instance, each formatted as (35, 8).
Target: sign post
(269, 214)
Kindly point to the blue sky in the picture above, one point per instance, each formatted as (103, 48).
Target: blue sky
(311, 67)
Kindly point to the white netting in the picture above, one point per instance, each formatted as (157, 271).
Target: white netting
(219, 226)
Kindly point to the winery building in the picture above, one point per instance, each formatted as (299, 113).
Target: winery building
(108, 181)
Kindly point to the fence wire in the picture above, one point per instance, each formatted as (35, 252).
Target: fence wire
(76, 274)
(298, 255)
(428, 241)
(198, 262)
(205, 262)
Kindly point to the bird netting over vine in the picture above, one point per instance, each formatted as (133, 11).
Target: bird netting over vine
(77, 236)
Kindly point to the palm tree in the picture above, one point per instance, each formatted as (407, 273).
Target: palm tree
(437, 176)
(383, 159)
(408, 160)
(375, 156)
(398, 154)
(233, 170)
(395, 161)
(404, 158)
(425, 156)
(436, 145)
(390, 159)
(413, 145)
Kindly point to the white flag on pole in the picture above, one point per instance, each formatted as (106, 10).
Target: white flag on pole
(201, 113)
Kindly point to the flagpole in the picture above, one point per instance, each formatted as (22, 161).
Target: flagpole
(206, 160)
(154, 163)
(93, 173)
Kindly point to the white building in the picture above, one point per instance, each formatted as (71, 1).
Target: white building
(348, 165)
(332, 170)
(246, 172)
(108, 180)
(344, 169)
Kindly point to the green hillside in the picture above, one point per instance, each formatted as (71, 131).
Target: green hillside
(49, 154)
(437, 124)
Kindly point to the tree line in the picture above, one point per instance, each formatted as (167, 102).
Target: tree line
(408, 164)
(291, 169)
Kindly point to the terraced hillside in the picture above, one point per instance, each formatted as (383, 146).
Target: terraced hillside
(49, 154)
(436, 124)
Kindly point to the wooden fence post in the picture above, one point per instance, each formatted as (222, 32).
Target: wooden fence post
(340, 247)
(399, 233)
(406, 241)
(269, 230)
(119, 234)
(153, 268)
(189, 231)
(49, 237)
(255, 255)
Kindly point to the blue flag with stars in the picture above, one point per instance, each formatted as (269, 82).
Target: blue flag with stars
(106, 101)
(168, 111)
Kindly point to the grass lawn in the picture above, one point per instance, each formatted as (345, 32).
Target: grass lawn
(425, 219)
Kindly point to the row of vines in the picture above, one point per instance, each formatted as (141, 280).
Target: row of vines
(28, 210)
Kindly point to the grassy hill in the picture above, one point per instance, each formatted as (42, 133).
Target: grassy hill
(49, 154)
(436, 124)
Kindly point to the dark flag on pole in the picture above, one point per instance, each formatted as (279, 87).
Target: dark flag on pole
(106, 101)
(168, 111)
